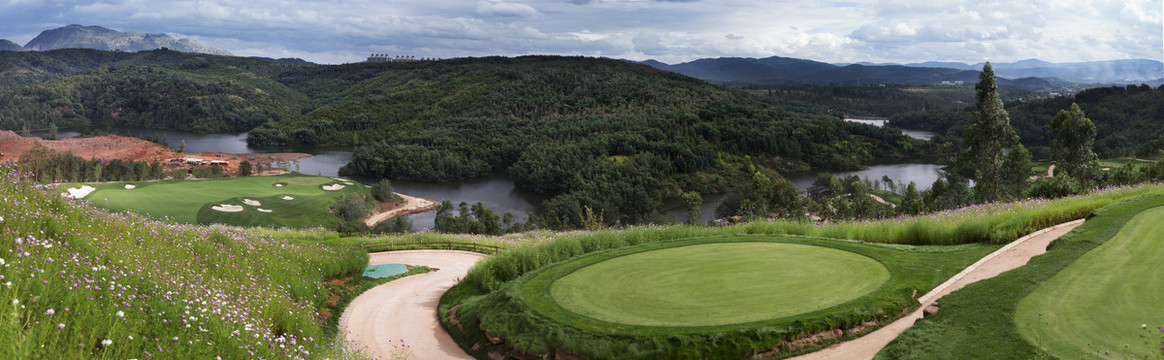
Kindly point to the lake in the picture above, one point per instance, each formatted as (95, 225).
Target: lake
(498, 192)
(916, 134)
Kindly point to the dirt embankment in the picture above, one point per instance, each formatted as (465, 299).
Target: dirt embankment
(411, 205)
(109, 147)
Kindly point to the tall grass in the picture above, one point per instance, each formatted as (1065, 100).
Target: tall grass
(82, 283)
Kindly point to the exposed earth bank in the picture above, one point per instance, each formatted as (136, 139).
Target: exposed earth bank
(110, 147)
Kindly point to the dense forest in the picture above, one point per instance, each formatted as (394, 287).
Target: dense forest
(1129, 120)
(602, 137)
(160, 89)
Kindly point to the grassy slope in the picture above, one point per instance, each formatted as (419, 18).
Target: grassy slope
(75, 276)
(1100, 301)
(717, 284)
(190, 201)
(983, 313)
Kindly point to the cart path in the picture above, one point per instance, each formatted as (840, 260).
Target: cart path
(405, 309)
(1011, 256)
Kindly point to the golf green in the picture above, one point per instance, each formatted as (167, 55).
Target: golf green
(1107, 303)
(285, 200)
(717, 284)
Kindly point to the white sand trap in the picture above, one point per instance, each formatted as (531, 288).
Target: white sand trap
(81, 191)
(251, 202)
(278, 185)
(130, 186)
(333, 187)
(227, 208)
(339, 179)
(263, 210)
(288, 198)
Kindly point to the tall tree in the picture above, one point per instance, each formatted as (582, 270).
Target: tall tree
(692, 200)
(1016, 170)
(911, 203)
(1072, 146)
(989, 134)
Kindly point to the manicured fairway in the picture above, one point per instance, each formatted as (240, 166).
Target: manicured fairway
(191, 201)
(717, 284)
(1101, 300)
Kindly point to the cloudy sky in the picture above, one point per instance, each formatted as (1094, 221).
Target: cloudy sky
(339, 31)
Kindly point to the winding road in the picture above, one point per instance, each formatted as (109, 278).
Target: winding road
(377, 321)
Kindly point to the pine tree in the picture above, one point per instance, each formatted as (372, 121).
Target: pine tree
(989, 134)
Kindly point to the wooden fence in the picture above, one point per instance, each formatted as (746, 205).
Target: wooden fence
(437, 245)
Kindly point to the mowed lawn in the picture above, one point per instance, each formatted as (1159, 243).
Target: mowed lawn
(718, 284)
(191, 201)
(1102, 301)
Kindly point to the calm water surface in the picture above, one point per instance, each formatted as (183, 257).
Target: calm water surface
(917, 134)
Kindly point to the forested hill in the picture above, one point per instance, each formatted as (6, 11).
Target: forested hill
(1129, 120)
(160, 89)
(606, 135)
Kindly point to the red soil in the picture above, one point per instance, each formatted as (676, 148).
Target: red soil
(110, 147)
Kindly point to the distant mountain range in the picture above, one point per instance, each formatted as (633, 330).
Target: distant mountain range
(783, 70)
(100, 38)
(1108, 71)
(6, 45)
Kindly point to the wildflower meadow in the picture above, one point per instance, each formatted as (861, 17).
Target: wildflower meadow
(77, 282)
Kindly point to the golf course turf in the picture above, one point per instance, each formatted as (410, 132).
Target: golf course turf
(727, 296)
(1102, 301)
(717, 284)
(1094, 287)
(192, 201)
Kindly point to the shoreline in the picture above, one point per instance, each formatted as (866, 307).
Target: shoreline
(412, 205)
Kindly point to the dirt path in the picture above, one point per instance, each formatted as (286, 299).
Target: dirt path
(1051, 171)
(1008, 257)
(405, 309)
(412, 205)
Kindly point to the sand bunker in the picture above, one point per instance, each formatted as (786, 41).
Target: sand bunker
(278, 185)
(227, 208)
(80, 192)
(263, 210)
(130, 186)
(333, 187)
(251, 202)
(288, 198)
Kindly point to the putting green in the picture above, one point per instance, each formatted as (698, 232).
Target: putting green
(717, 284)
(191, 201)
(1100, 302)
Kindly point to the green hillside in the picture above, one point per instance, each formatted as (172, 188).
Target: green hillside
(1128, 120)
(607, 135)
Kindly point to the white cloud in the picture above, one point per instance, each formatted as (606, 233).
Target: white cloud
(672, 31)
(505, 9)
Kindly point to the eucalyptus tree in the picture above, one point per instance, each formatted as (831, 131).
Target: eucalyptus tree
(1072, 146)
